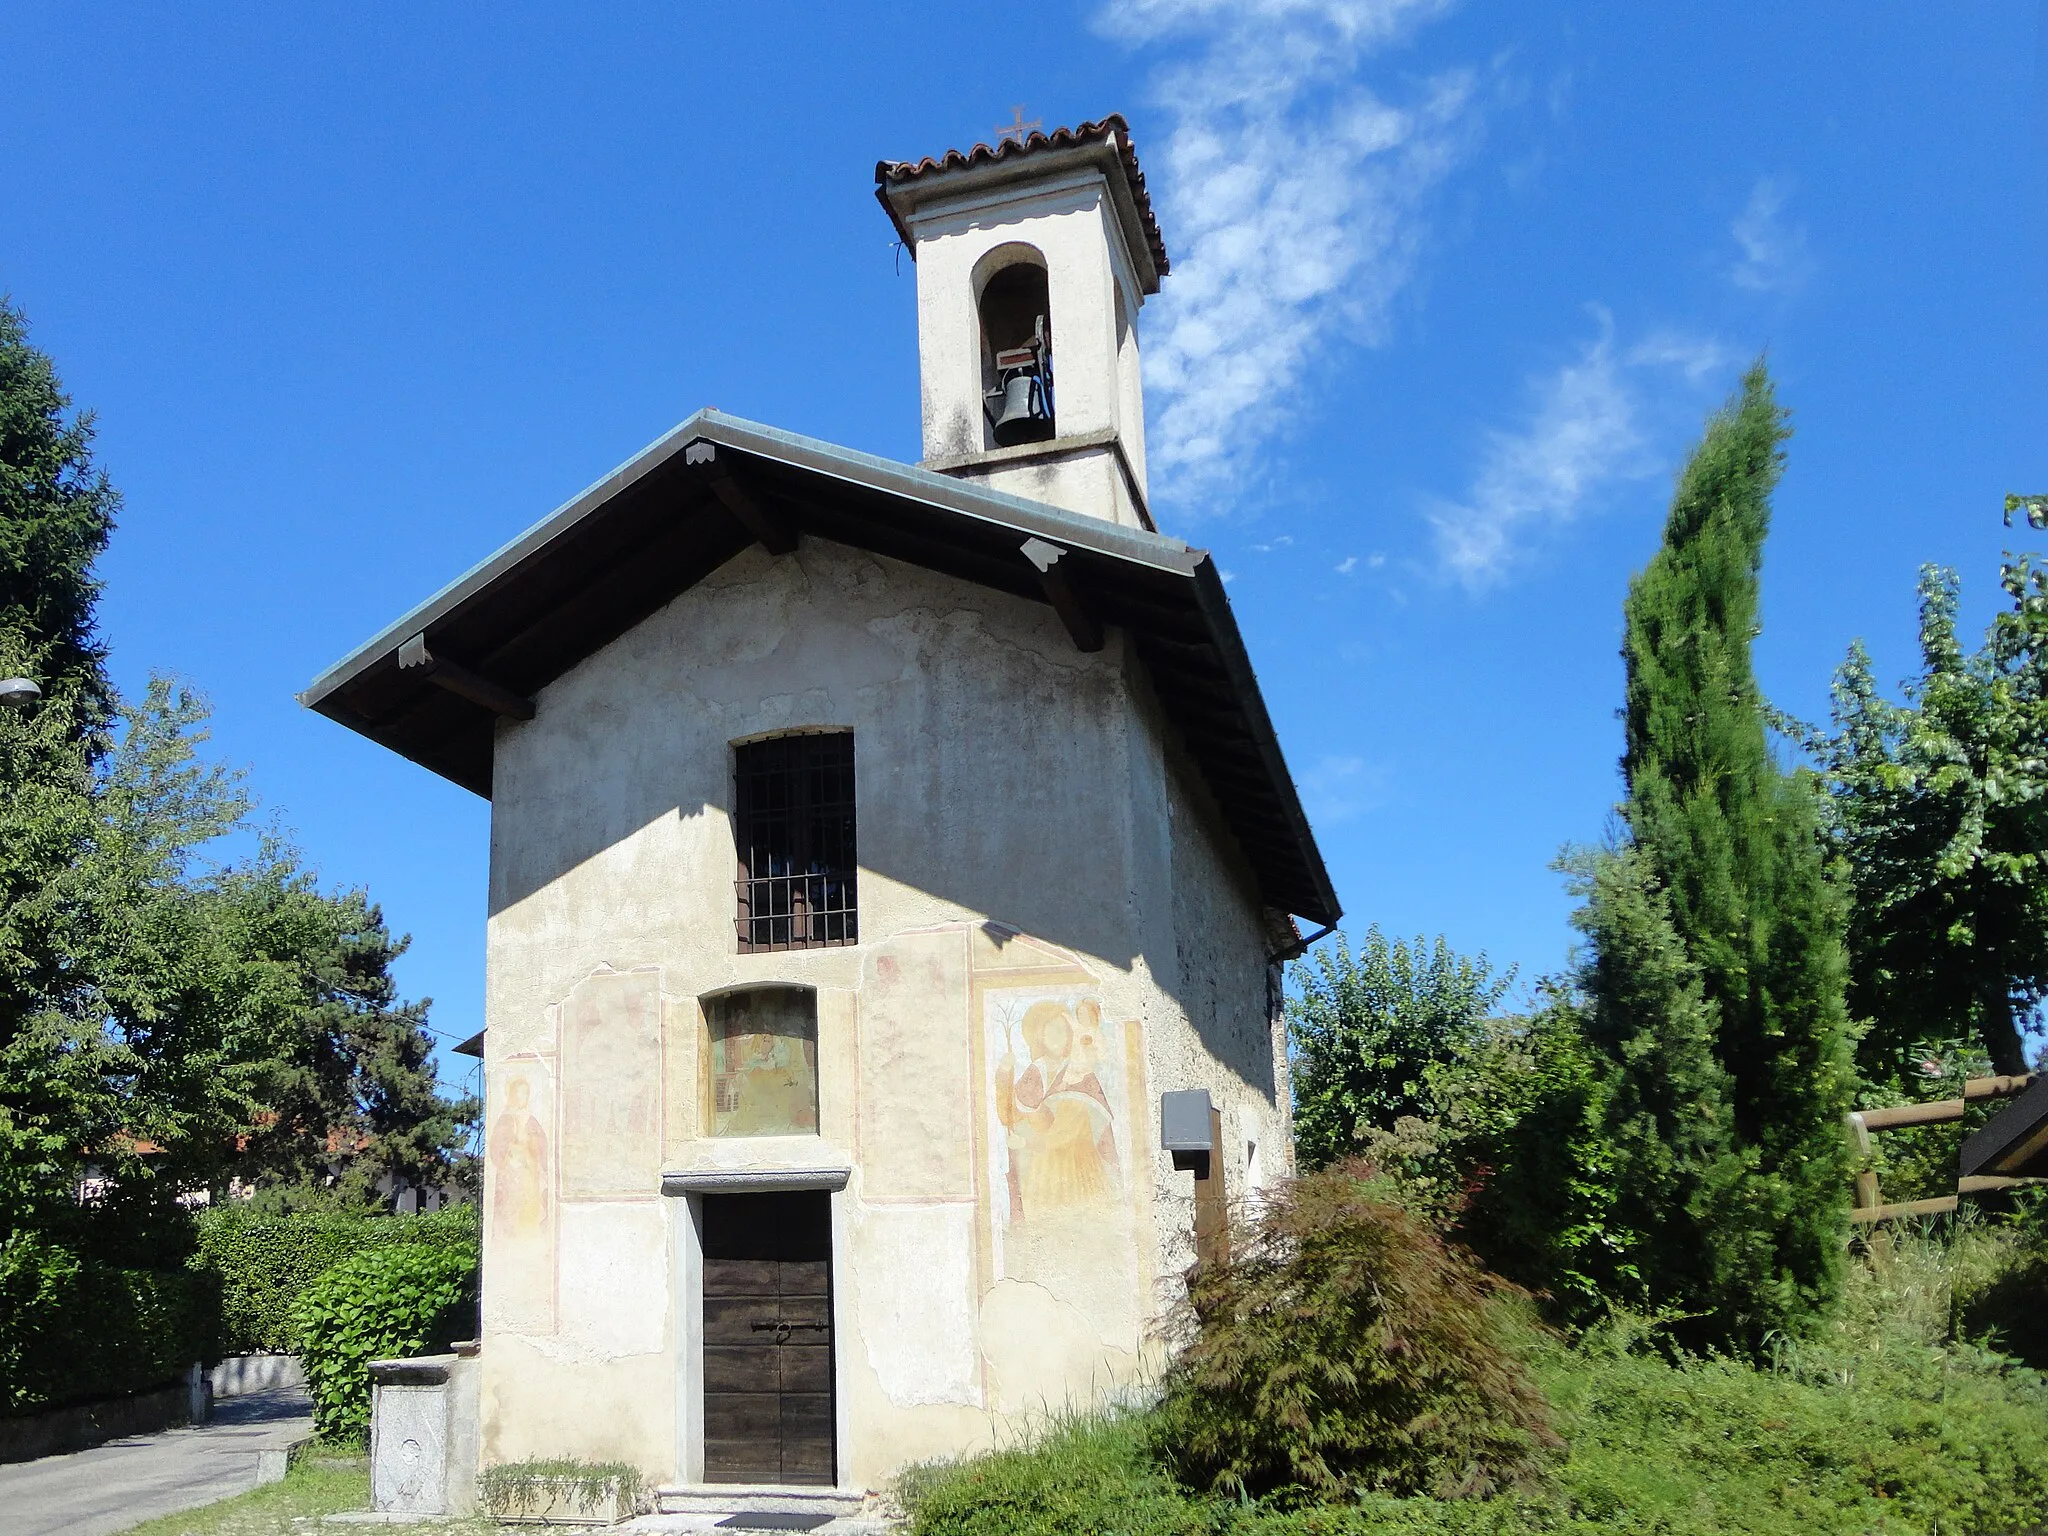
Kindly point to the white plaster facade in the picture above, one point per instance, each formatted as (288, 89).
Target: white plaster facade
(1025, 829)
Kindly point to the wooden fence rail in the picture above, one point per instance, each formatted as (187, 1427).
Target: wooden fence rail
(1869, 1204)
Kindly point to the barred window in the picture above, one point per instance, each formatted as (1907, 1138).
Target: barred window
(793, 822)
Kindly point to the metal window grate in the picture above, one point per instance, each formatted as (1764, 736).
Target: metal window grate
(793, 821)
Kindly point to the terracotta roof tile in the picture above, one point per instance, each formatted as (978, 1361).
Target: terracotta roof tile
(890, 173)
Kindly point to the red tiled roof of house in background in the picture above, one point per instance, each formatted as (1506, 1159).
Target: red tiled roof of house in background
(890, 173)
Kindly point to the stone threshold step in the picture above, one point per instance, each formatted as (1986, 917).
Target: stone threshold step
(757, 1498)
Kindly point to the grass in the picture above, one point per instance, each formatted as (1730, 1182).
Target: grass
(1882, 1424)
(318, 1484)
(322, 1482)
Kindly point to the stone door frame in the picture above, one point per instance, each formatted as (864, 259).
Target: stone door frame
(688, 1189)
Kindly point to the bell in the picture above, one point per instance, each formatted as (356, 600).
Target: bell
(1023, 417)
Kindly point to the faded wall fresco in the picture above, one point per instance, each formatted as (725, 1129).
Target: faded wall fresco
(916, 1065)
(761, 1065)
(611, 1087)
(1051, 1098)
(1063, 1288)
(519, 1161)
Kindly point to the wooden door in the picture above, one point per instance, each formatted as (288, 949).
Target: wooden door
(768, 1338)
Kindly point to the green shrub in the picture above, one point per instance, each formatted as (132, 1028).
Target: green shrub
(1878, 1425)
(388, 1303)
(73, 1329)
(265, 1262)
(1346, 1348)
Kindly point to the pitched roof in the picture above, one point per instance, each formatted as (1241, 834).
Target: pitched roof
(900, 184)
(432, 685)
(2014, 1142)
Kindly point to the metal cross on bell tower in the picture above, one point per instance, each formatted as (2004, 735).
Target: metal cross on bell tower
(1017, 128)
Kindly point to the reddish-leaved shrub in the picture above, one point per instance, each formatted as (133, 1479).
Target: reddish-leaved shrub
(1347, 1348)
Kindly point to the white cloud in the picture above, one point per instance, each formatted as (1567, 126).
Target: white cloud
(1291, 197)
(1774, 254)
(1376, 561)
(1347, 565)
(1339, 788)
(1696, 357)
(1586, 432)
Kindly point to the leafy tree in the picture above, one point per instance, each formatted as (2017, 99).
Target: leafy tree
(162, 1016)
(353, 1095)
(1523, 1120)
(114, 1050)
(1940, 811)
(1715, 967)
(56, 512)
(1365, 1031)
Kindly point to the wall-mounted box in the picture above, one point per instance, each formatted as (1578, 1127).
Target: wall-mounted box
(1187, 1129)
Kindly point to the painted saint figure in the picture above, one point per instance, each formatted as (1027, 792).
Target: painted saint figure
(519, 1164)
(764, 1064)
(1062, 1133)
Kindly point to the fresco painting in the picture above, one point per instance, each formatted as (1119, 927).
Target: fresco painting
(519, 1157)
(761, 1068)
(1061, 1132)
(917, 1099)
(1059, 1198)
(612, 1086)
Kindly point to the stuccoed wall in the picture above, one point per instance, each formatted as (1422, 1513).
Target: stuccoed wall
(1067, 225)
(1026, 841)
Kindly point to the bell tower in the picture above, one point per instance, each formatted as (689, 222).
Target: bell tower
(1033, 258)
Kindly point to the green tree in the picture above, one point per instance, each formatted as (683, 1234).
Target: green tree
(1366, 1030)
(115, 1051)
(1714, 973)
(161, 1013)
(1940, 812)
(56, 512)
(353, 1095)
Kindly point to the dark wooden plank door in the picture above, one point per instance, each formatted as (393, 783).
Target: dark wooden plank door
(768, 1339)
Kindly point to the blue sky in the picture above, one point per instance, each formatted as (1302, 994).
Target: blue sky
(358, 293)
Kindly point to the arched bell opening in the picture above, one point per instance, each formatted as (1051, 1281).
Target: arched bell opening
(1016, 349)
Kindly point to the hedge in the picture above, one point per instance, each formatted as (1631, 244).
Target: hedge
(264, 1264)
(388, 1303)
(73, 1329)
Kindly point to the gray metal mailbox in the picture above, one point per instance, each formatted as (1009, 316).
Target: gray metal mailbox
(1184, 1121)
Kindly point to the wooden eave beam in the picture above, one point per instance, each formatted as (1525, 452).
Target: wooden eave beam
(460, 681)
(774, 532)
(1083, 627)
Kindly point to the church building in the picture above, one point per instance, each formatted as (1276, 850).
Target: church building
(891, 871)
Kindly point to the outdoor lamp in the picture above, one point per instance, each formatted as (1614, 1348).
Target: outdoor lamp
(18, 692)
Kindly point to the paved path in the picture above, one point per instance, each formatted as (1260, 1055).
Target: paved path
(124, 1482)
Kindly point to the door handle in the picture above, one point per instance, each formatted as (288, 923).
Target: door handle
(782, 1330)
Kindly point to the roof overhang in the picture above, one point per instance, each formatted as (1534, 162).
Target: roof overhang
(433, 685)
(2014, 1142)
(909, 190)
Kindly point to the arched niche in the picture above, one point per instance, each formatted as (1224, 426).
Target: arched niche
(760, 1061)
(1013, 302)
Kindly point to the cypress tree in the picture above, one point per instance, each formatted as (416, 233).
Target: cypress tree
(1731, 859)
